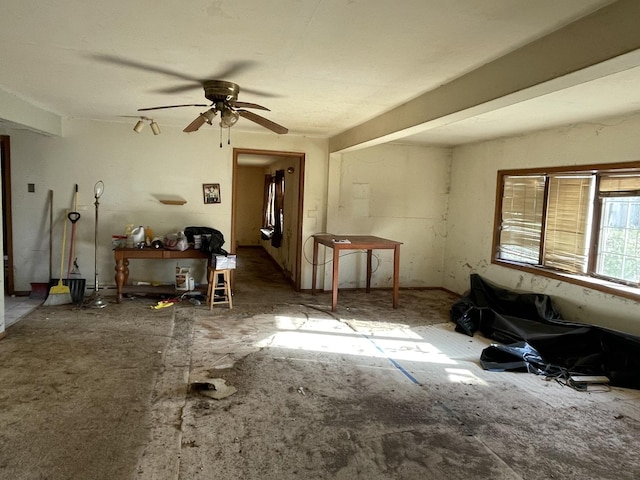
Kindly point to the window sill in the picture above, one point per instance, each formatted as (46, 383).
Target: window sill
(598, 284)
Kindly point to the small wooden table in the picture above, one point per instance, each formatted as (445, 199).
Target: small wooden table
(355, 242)
(123, 255)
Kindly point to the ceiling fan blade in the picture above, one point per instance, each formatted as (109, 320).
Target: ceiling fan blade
(274, 127)
(249, 105)
(262, 93)
(233, 68)
(195, 125)
(144, 66)
(174, 106)
(179, 88)
(230, 69)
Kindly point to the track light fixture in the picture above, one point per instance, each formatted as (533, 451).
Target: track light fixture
(139, 126)
(155, 128)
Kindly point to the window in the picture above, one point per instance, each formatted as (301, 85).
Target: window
(566, 233)
(521, 218)
(582, 222)
(618, 255)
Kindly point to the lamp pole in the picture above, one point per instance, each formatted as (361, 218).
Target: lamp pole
(96, 300)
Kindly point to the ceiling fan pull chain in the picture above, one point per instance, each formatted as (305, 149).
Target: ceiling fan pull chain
(229, 136)
(220, 137)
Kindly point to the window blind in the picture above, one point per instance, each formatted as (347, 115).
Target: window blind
(620, 183)
(566, 245)
(522, 204)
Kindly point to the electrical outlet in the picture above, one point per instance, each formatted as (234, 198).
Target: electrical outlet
(31, 187)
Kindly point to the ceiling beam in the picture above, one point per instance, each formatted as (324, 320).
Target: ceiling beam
(18, 113)
(605, 39)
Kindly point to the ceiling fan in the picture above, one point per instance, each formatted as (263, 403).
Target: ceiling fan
(222, 94)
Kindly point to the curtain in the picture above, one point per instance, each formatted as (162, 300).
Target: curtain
(278, 204)
(266, 202)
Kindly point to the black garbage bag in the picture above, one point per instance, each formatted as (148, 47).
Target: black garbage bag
(212, 239)
(535, 338)
(516, 357)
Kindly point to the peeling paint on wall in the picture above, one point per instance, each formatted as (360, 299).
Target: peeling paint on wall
(520, 281)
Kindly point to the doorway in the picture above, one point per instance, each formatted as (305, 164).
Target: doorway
(260, 162)
(7, 230)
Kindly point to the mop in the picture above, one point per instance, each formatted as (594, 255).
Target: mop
(60, 294)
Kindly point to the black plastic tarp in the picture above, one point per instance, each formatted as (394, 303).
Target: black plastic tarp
(533, 337)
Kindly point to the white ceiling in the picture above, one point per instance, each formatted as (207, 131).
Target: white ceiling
(322, 66)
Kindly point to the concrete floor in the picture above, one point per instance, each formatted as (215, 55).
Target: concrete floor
(365, 392)
(17, 307)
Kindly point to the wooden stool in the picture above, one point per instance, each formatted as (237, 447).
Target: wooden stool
(215, 287)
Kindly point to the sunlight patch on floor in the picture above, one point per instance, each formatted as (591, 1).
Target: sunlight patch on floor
(331, 336)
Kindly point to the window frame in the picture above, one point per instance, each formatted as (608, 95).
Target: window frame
(590, 279)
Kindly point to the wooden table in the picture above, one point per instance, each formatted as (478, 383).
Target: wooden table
(123, 255)
(355, 242)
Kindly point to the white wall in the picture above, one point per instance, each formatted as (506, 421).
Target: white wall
(438, 203)
(136, 170)
(398, 192)
(472, 203)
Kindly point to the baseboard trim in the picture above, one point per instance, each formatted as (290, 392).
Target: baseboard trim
(308, 290)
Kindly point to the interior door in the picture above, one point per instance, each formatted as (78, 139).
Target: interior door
(7, 235)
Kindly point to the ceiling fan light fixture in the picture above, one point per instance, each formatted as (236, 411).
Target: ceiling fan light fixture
(209, 115)
(155, 127)
(138, 126)
(228, 118)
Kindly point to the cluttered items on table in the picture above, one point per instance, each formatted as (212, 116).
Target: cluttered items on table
(206, 239)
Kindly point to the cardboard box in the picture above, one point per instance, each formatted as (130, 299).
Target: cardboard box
(223, 262)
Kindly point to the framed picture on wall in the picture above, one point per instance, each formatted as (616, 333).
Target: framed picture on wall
(211, 192)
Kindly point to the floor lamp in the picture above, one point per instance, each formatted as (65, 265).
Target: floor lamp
(96, 300)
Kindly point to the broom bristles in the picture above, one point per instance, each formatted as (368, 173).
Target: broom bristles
(59, 294)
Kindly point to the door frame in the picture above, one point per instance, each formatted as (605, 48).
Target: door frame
(300, 156)
(7, 220)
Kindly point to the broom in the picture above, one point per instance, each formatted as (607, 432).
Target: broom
(60, 294)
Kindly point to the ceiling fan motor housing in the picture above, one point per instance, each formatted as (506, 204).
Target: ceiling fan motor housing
(220, 90)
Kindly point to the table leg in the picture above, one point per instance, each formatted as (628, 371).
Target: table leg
(396, 275)
(314, 267)
(369, 255)
(334, 281)
(120, 274)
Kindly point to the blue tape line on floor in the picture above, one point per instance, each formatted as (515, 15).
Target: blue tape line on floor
(393, 362)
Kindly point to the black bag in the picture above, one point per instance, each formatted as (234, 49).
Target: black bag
(212, 239)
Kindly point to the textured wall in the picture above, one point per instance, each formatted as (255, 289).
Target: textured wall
(397, 192)
(472, 203)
